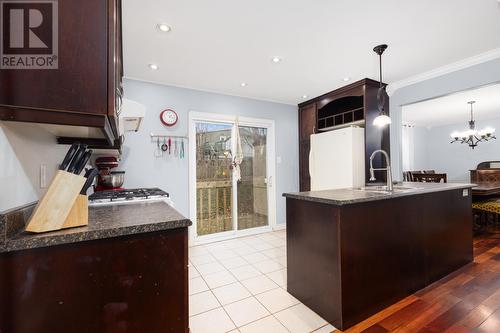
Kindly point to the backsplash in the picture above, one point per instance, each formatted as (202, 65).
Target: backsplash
(23, 148)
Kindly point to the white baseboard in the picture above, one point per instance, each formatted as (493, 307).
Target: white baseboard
(281, 226)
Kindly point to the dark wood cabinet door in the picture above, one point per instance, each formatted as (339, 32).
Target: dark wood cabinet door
(307, 121)
(79, 84)
(305, 178)
(134, 283)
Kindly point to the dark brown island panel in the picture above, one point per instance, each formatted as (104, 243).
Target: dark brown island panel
(351, 253)
(125, 272)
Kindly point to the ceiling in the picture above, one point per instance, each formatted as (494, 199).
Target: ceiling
(453, 109)
(216, 45)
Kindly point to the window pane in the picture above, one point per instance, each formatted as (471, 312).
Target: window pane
(252, 189)
(213, 178)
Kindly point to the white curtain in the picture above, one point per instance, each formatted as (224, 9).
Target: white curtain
(408, 148)
(238, 156)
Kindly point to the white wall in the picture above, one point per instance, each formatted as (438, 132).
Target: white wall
(420, 149)
(144, 170)
(23, 148)
(468, 78)
(433, 150)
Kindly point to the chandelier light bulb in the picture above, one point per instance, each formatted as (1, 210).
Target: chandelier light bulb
(488, 131)
(470, 133)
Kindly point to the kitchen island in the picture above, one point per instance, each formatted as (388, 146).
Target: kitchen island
(124, 272)
(353, 252)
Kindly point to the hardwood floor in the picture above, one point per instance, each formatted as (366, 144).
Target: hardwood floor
(468, 300)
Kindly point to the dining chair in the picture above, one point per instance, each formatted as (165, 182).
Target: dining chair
(430, 177)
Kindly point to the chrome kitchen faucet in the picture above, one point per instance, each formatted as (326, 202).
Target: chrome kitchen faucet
(387, 168)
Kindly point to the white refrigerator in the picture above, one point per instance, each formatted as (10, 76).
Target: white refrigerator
(337, 159)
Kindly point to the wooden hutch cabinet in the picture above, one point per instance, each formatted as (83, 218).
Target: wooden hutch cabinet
(307, 126)
(351, 105)
(85, 90)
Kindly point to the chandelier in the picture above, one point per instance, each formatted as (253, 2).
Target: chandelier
(471, 136)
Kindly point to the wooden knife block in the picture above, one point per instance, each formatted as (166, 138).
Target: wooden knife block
(62, 206)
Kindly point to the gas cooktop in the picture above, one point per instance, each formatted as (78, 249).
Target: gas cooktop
(128, 196)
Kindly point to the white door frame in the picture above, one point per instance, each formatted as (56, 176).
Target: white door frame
(271, 173)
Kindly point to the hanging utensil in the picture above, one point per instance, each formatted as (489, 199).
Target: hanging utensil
(181, 153)
(158, 148)
(164, 146)
(169, 145)
(176, 148)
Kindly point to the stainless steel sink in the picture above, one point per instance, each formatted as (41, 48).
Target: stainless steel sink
(384, 189)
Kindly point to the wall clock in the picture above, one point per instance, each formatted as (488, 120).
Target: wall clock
(169, 117)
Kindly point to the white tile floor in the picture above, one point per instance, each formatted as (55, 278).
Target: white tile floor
(239, 285)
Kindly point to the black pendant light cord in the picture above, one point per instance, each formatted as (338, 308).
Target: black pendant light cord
(380, 68)
(379, 49)
(381, 94)
(472, 123)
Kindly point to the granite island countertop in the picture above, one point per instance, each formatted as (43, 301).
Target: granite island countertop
(350, 196)
(105, 221)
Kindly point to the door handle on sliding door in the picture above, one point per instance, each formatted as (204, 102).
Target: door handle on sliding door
(268, 181)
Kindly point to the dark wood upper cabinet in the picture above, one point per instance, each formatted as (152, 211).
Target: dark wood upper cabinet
(85, 90)
(354, 104)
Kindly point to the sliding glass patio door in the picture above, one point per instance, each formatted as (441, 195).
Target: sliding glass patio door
(224, 203)
(214, 179)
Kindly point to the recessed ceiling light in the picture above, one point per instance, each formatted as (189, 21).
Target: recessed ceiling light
(163, 27)
(346, 79)
(243, 84)
(153, 66)
(304, 96)
(276, 59)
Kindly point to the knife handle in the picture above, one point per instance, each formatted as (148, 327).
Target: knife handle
(69, 156)
(90, 175)
(83, 162)
(75, 162)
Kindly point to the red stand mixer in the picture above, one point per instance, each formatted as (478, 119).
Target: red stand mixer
(109, 180)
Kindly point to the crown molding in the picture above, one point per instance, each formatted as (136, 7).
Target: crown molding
(450, 68)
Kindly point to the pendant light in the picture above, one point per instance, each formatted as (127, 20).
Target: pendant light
(382, 119)
(472, 137)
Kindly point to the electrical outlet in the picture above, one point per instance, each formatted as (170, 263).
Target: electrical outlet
(43, 176)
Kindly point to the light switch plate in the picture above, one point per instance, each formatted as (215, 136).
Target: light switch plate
(465, 192)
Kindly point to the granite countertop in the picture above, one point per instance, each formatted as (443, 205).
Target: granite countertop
(350, 196)
(105, 221)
